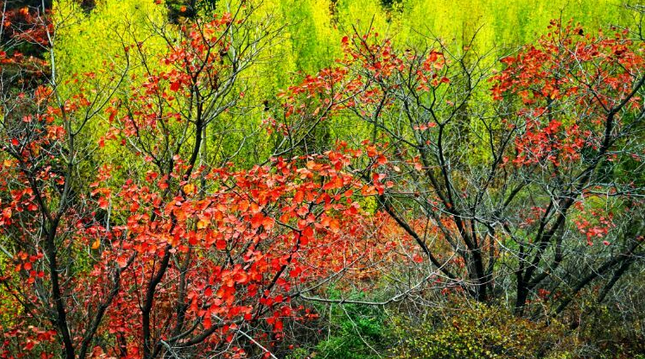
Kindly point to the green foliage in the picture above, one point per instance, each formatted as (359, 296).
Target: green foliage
(93, 41)
(357, 332)
(498, 22)
(606, 331)
(353, 332)
(474, 330)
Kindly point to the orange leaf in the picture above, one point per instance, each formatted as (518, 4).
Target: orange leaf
(203, 223)
(189, 188)
(300, 195)
(334, 225)
(257, 220)
(268, 223)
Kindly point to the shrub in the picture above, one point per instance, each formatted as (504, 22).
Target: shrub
(474, 330)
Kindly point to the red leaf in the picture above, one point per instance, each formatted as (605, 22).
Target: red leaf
(122, 261)
(267, 223)
(220, 244)
(298, 198)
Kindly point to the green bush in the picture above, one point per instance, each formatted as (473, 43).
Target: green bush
(352, 332)
(474, 330)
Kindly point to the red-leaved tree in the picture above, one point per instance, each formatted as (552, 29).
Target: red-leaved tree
(532, 173)
(163, 253)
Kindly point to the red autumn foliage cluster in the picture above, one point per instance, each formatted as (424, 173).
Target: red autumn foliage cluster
(184, 256)
(165, 252)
